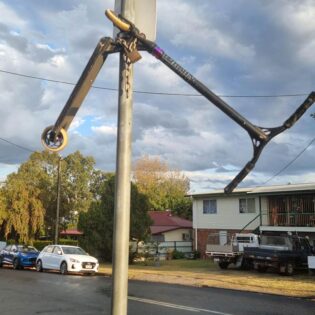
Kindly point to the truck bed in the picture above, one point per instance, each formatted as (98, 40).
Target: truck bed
(221, 251)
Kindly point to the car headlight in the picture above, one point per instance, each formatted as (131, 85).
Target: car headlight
(74, 260)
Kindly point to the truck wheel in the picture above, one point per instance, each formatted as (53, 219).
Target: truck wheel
(246, 264)
(261, 269)
(289, 269)
(223, 264)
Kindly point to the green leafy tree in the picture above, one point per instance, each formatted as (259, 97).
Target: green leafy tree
(34, 187)
(25, 211)
(77, 177)
(3, 212)
(97, 223)
(164, 187)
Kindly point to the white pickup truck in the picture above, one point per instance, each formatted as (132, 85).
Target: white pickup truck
(232, 251)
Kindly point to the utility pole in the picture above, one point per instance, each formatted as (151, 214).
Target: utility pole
(58, 201)
(123, 178)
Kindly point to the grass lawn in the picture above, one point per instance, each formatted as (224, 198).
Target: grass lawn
(203, 273)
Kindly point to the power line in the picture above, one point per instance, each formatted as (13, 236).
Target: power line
(17, 145)
(290, 163)
(169, 94)
(150, 92)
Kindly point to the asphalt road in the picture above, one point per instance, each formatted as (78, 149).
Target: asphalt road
(29, 292)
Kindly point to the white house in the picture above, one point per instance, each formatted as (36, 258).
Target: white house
(269, 208)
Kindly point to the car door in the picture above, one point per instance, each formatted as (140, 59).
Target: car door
(56, 257)
(46, 257)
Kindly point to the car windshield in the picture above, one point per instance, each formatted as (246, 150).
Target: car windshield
(27, 249)
(73, 251)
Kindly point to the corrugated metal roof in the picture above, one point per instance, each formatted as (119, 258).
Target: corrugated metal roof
(283, 188)
(260, 190)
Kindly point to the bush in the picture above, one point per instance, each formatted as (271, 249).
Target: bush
(178, 255)
(196, 254)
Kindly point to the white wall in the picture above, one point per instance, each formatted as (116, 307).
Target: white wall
(227, 216)
(175, 235)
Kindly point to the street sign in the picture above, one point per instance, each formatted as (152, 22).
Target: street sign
(144, 16)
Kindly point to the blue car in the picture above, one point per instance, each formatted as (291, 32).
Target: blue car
(18, 256)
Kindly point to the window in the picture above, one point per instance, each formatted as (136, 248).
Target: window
(247, 205)
(186, 237)
(209, 206)
(49, 249)
(56, 250)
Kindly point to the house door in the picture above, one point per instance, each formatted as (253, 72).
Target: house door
(223, 237)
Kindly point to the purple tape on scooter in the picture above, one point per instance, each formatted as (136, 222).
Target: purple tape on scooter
(157, 52)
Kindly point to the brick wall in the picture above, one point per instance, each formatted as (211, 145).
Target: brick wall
(202, 238)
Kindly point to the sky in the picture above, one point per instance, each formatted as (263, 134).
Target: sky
(236, 48)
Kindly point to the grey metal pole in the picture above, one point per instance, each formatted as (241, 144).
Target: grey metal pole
(58, 201)
(123, 178)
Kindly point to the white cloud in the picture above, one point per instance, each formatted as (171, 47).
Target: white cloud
(105, 130)
(194, 28)
(233, 49)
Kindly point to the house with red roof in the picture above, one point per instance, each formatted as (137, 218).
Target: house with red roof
(167, 227)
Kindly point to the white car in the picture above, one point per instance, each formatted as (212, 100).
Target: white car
(66, 259)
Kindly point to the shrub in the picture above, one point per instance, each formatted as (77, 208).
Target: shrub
(196, 254)
(178, 255)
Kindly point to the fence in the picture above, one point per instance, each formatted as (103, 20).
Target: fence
(164, 249)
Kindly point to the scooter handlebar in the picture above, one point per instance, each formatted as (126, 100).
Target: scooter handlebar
(118, 22)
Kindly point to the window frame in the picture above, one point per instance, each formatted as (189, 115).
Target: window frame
(210, 208)
(246, 205)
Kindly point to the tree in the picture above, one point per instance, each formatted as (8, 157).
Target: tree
(97, 223)
(165, 188)
(25, 211)
(34, 187)
(76, 180)
(3, 212)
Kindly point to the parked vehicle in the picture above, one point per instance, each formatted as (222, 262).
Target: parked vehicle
(311, 264)
(66, 259)
(284, 253)
(2, 245)
(18, 256)
(232, 252)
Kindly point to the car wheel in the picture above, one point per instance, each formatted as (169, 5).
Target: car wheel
(1, 262)
(63, 268)
(16, 264)
(39, 266)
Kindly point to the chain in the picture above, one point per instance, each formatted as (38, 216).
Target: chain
(128, 46)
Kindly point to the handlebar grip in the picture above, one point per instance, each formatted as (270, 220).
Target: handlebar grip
(123, 26)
